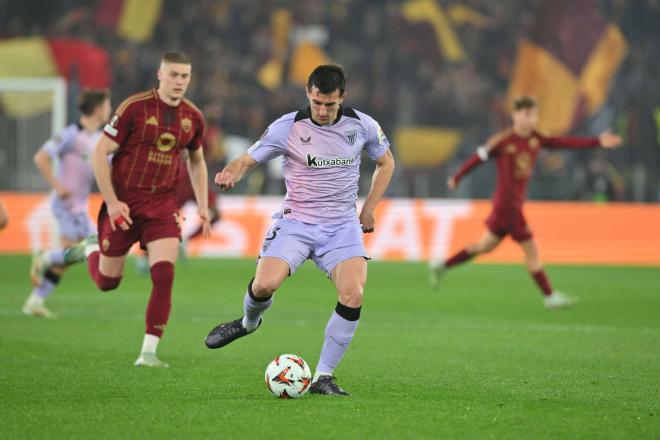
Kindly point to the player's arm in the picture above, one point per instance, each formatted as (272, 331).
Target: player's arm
(606, 139)
(199, 180)
(118, 211)
(379, 183)
(481, 155)
(4, 218)
(234, 172)
(44, 164)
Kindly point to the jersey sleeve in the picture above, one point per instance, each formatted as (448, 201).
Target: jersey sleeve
(273, 143)
(568, 142)
(198, 139)
(120, 124)
(61, 143)
(377, 143)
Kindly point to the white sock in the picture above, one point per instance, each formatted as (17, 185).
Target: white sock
(91, 248)
(150, 343)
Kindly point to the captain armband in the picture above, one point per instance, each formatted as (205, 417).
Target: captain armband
(482, 153)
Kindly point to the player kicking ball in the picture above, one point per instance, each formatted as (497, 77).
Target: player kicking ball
(515, 151)
(146, 136)
(322, 147)
(71, 149)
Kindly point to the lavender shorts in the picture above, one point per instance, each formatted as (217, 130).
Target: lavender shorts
(325, 244)
(72, 225)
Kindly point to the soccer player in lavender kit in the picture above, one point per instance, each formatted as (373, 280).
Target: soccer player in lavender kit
(322, 147)
(147, 136)
(515, 151)
(71, 148)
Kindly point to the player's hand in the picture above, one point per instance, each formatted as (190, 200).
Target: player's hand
(451, 183)
(609, 140)
(62, 191)
(119, 214)
(225, 180)
(205, 217)
(367, 220)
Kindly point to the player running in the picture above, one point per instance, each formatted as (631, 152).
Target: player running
(515, 151)
(147, 134)
(71, 150)
(322, 147)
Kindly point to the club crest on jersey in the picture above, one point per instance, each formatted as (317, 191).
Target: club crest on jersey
(321, 162)
(306, 141)
(351, 136)
(186, 125)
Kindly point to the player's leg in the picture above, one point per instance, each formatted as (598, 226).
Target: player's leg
(48, 267)
(349, 278)
(287, 245)
(487, 243)
(162, 256)
(271, 273)
(50, 271)
(552, 299)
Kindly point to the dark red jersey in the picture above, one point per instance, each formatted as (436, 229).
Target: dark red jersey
(151, 135)
(515, 157)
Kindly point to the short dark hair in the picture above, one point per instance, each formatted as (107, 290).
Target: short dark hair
(524, 102)
(90, 99)
(328, 78)
(176, 57)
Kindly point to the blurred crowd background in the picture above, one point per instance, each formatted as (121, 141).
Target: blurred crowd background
(437, 75)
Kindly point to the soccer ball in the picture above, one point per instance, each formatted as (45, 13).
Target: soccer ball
(288, 376)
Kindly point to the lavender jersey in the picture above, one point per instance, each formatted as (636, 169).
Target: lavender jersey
(71, 150)
(321, 162)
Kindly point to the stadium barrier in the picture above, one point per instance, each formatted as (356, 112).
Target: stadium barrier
(406, 229)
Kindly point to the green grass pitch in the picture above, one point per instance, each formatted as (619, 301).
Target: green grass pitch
(480, 358)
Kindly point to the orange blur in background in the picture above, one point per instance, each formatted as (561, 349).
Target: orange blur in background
(406, 229)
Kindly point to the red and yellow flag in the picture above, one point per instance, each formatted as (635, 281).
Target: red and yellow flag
(568, 63)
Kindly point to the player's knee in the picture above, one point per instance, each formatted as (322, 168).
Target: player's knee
(533, 265)
(107, 283)
(351, 296)
(162, 273)
(263, 287)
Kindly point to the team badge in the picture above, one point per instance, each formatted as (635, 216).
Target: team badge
(534, 143)
(186, 125)
(510, 149)
(351, 136)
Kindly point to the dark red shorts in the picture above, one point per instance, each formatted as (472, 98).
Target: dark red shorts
(153, 218)
(503, 222)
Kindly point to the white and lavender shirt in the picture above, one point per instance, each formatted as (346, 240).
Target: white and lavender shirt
(71, 150)
(321, 162)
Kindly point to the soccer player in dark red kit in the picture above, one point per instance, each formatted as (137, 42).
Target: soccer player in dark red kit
(515, 151)
(147, 136)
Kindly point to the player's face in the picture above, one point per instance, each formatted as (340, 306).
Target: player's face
(324, 107)
(526, 119)
(174, 79)
(103, 111)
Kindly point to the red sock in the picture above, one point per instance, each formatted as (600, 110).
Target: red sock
(542, 282)
(103, 282)
(160, 302)
(460, 257)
